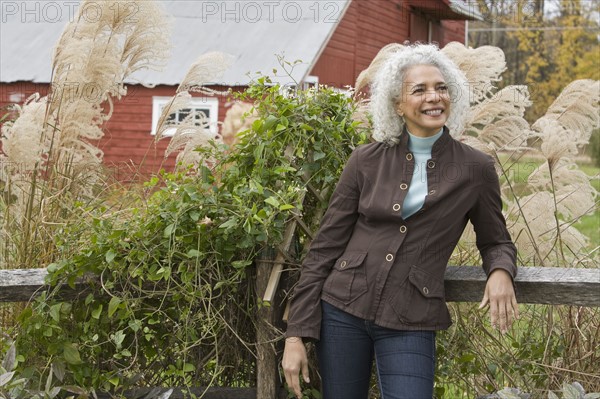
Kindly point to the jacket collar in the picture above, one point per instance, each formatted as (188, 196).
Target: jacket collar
(438, 146)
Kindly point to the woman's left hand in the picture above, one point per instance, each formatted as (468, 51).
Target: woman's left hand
(500, 296)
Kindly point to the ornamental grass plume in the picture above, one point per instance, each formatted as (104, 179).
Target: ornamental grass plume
(496, 122)
(541, 215)
(482, 76)
(195, 130)
(50, 159)
(542, 206)
(560, 192)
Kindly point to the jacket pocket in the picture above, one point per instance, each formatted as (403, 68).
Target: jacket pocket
(420, 300)
(347, 279)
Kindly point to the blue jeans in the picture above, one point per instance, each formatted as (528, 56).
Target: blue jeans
(405, 360)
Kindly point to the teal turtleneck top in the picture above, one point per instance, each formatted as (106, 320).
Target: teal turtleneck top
(421, 150)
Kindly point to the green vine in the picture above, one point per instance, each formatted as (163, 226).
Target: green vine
(169, 298)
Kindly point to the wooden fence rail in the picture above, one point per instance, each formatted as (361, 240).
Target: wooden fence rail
(542, 285)
(535, 285)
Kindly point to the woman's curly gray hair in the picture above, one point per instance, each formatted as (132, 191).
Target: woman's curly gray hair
(386, 89)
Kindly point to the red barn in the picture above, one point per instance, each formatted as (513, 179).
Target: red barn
(335, 40)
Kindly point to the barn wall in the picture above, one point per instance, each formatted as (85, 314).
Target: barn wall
(366, 27)
(127, 144)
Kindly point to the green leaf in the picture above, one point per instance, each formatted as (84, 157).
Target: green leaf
(48, 381)
(169, 230)
(193, 253)
(118, 338)
(96, 312)
(110, 255)
(194, 215)
(270, 122)
(113, 305)
(285, 207)
(240, 264)
(318, 155)
(230, 223)
(188, 368)
(59, 369)
(71, 354)
(280, 127)
(466, 358)
(571, 391)
(6, 377)
(272, 201)
(55, 312)
(10, 359)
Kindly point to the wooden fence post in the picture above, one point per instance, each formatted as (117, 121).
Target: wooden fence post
(267, 379)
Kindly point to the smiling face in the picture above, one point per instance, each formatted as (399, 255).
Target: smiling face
(424, 103)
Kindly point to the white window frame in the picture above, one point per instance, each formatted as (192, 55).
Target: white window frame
(209, 103)
(307, 83)
(310, 81)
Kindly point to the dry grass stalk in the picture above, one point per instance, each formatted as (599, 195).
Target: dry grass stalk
(50, 160)
(195, 130)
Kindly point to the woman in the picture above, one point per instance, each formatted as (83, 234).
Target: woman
(372, 284)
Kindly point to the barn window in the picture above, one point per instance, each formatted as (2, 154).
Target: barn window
(209, 106)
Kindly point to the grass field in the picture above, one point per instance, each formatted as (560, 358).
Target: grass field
(590, 224)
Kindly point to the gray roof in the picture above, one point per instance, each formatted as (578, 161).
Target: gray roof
(467, 8)
(252, 32)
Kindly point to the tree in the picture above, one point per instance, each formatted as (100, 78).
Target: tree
(544, 49)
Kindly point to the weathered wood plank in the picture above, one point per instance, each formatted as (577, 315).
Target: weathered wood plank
(18, 285)
(543, 285)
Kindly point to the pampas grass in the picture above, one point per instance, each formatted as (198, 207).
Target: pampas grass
(50, 159)
(194, 131)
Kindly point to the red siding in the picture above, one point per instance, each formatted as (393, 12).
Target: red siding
(453, 31)
(367, 26)
(127, 144)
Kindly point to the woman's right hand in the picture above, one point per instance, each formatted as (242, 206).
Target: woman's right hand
(295, 361)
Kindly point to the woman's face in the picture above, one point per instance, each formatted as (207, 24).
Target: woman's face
(424, 102)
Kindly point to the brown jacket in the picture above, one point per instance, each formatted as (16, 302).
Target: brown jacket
(370, 262)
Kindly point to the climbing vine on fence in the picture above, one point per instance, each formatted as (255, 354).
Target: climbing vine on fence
(170, 297)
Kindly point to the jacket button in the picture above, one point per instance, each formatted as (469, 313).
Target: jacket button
(431, 192)
(343, 264)
(425, 290)
(409, 156)
(403, 186)
(431, 164)
(402, 229)
(389, 257)
(396, 207)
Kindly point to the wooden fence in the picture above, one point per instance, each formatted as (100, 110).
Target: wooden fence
(535, 285)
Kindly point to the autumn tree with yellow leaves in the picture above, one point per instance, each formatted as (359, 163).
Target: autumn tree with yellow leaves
(548, 43)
